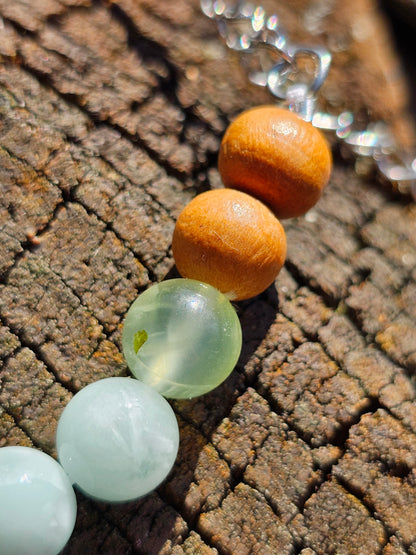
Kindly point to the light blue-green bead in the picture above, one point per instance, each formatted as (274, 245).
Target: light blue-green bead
(117, 439)
(181, 337)
(37, 503)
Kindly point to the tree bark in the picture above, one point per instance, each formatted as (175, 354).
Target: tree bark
(111, 119)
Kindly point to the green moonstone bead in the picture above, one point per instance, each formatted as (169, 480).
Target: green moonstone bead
(117, 439)
(37, 503)
(181, 337)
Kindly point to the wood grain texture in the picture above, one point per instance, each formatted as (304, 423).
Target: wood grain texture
(111, 114)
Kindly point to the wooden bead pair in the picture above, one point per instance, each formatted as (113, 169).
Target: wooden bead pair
(273, 165)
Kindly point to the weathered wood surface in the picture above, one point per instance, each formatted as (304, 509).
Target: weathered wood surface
(111, 117)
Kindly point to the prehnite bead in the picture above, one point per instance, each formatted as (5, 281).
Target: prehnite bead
(182, 337)
(37, 503)
(117, 439)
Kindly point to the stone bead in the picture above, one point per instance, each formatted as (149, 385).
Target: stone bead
(181, 337)
(117, 439)
(37, 503)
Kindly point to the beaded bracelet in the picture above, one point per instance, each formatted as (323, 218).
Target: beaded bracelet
(182, 337)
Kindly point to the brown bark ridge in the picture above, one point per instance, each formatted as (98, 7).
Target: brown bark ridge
(111, 118)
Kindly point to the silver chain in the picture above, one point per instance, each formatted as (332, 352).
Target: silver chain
(293, 74)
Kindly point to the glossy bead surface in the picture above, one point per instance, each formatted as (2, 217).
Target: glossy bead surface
(37, 503)
(277, 157)
(230, 240)
(181, 337)
(117, 439)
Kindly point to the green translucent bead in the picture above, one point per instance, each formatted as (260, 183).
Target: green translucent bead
(37, 503)
(117, 439)
(181, 337)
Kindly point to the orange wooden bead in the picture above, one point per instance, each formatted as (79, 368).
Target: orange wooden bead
(274, 155)
(231, 241)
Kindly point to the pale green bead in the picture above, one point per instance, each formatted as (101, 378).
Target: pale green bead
(117, 439)
(181, 337)
(37, 503)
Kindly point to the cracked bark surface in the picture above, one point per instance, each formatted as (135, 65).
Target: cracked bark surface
(111, 117)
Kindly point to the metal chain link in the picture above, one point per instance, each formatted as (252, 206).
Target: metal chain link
(293, 74)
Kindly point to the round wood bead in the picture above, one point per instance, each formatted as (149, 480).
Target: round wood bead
(274, 155)
(230, 240)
